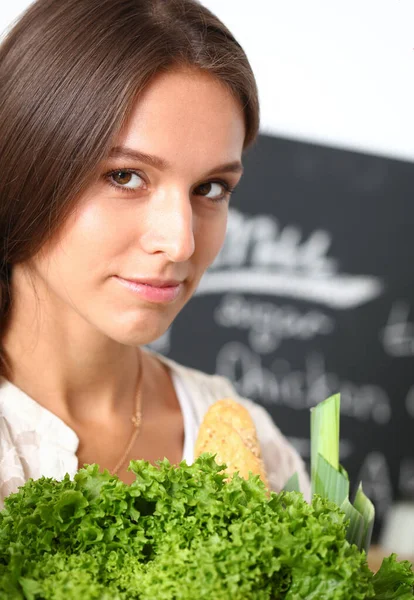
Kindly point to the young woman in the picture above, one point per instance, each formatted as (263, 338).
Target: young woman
(122, 128)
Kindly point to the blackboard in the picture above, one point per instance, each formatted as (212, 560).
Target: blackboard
(313, 294)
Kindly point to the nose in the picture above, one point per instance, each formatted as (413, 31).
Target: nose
(169, 226)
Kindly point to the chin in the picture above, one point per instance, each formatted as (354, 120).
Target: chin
(138, 333)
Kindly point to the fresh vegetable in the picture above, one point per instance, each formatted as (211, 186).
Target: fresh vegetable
(330, 480)
(181, 533)
(189, 533)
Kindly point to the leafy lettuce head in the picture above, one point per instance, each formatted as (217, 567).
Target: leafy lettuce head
(180, 533)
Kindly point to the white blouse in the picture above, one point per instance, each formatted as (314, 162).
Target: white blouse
(34, 442)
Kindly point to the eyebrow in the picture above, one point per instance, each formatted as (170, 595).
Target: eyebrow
(162, 165)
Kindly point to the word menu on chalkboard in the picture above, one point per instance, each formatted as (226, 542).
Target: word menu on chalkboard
(313, 294)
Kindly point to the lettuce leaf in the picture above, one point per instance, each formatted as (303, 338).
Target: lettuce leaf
(180, 533)
(394, 580)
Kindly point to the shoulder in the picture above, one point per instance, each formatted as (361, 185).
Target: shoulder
(11, 467)
(33, 441)
(280, 457)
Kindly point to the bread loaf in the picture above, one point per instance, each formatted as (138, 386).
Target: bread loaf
(228, 431)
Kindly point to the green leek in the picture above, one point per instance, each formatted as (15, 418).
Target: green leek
(330, 480)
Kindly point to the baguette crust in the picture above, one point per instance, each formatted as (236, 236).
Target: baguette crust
(229, 432)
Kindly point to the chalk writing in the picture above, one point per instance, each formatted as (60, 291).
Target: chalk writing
(406, 478)
(269, 324)
(260, 257)
(376, 481)
(398, 334)
(303, 446)
(409, 401)
(281, 384)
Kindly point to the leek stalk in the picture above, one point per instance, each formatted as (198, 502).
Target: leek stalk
(329, 479)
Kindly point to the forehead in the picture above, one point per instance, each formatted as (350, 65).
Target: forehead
(186, 117)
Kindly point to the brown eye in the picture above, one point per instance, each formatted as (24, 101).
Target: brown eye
(213, 190)
(125, 180)
(122, 177)
(204, 189)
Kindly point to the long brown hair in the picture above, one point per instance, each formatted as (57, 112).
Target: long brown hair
(70, 72)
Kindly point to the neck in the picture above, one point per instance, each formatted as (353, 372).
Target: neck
(68, 366)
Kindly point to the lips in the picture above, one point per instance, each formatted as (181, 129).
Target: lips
(159, 291)
(159, 283)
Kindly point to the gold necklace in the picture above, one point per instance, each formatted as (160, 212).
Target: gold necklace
(136, 422)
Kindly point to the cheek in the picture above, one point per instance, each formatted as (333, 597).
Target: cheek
(85, 247)
(210, 238)
(94, 237)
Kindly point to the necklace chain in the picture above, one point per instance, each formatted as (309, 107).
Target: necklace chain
(136, 422)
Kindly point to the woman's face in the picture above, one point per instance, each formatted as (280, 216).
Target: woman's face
(157, 214)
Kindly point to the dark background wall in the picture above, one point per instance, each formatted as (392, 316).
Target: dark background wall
(311, 295)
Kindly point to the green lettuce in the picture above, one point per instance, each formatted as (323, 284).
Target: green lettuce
(394, 580)
(181, 533)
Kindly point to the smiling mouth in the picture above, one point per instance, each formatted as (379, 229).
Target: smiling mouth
(154, 282)
(154, 290)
